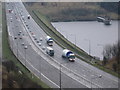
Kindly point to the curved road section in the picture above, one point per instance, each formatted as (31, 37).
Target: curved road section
(55, 71)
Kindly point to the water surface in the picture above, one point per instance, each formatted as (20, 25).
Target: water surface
(91, 36)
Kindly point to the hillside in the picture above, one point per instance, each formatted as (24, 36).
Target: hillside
(12, 77)
(74, 11)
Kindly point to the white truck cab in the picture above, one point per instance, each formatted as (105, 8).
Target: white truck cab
(50, 51)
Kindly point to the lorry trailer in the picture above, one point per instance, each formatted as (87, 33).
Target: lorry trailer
(49, 40)
(69, 55)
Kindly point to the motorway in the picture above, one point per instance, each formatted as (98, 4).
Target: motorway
(76, 74)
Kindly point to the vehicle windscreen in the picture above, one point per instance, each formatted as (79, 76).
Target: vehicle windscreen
(51, 51)
(72, 57)
(50, 41)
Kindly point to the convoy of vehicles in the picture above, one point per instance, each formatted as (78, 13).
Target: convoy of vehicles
(49, 50)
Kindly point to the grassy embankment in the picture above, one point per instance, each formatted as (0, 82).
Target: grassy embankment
(72, 11)
(44, 23)
(8, 55)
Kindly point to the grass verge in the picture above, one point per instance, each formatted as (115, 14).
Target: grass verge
(45, 24)
(8, 54)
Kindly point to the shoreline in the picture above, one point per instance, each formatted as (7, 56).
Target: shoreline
(81, 21)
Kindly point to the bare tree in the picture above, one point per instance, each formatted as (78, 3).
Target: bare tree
(112, 52)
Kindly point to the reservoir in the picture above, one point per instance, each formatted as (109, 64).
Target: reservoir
(91, 36)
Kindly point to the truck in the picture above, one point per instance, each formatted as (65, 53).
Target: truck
(69, 55)
(100, 19)
(50, 51)
(107, 22)
(49, 40)
(9, 10)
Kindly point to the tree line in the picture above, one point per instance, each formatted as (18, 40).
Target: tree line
(112, 52)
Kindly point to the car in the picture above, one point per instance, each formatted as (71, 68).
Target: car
(40, 39)
(28, 17)
(20, 37)
(20, 31)
(19, 34)
(25, 47)
(22, 16)
(30, 44)
(43, 47)
(33, 35)
(39, 44)
(15, 37)
(37, 41)
(35, 38)
(23, 44)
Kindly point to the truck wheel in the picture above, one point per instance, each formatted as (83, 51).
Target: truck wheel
(63, 56)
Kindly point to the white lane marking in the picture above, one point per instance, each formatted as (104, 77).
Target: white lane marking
(40, 72)
(35, 68)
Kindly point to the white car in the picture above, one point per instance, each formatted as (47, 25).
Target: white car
(43, 47)
(15, 37)
(41, 39)
(25, 47)
(39, 44)
(23, 44)
(20, 37)
(20, 31)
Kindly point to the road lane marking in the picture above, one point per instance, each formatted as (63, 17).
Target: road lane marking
(34, 67)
